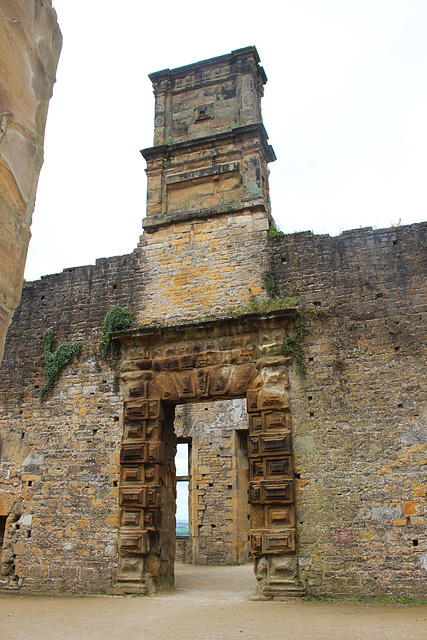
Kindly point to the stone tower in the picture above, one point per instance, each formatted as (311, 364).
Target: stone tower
(208, 212)
(207, 185)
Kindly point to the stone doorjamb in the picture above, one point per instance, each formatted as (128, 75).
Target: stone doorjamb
(224, 359)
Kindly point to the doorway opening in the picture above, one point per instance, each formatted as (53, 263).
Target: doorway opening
(215, 433)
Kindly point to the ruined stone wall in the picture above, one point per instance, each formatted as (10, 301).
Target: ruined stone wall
(219, 480)
(59, 458)
(355, 424)
(30, 43)
(359, 422)
(360, 415)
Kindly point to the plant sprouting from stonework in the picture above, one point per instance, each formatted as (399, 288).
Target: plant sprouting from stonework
(270, 285)
(274, 231)
(55, 361)
(116, 319)
(294, 347)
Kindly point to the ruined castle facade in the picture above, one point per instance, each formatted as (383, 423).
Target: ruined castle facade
(292, 365)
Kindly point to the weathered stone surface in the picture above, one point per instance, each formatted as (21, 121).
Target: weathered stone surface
(30, 43)
(355, 426)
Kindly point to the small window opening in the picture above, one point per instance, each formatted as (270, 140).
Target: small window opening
(29, 483)
(182, 486)
(400, 405)
(317, 303)
(396, 349)
(94, 431)
(310, 359)
(394, 242)
(310, 398)
(311, 414)
(415, 543)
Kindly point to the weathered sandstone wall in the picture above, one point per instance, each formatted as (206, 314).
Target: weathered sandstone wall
(87, 477)
(30, 44)
(59, 457)
(360, 415)
(359, 419)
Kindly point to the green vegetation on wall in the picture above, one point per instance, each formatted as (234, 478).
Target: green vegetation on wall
(270, 285)
(55, 361)
(116, 319)
(293, 346)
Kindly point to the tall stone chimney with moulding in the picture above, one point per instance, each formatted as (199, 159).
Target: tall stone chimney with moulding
(208, 205)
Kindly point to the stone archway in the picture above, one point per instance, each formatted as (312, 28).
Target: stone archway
(225, 359)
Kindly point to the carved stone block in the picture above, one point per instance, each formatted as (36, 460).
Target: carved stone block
(279, 517)
(131, 568)
(154, 430)
(272, 542)
(134, 542)
(255, 423)
(133, 453)
(139, 390)
(265, 492)
(131, 518)
(135, 410)
(156, 452)
(135, 430)
(134, 473)
(275, 420)
(272, 516)
(151, 520)
(274, 397)
(263, 445)
(184, 385)
(267, 467)
(252, 400)
(133, 497)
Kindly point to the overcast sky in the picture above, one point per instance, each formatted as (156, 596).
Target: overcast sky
(345, 109)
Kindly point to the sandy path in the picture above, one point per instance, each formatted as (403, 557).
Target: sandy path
(209, 603)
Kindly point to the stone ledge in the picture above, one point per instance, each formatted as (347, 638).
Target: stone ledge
(150, 224)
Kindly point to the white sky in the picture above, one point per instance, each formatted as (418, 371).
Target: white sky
(345, 108)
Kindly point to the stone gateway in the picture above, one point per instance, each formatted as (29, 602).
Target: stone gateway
(293, 367)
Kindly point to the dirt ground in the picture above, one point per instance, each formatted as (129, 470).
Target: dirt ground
(209, 603)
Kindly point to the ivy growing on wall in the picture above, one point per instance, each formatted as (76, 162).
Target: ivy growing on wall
(270, 285)
(55, 361)
(116, 319)
(293, 346)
